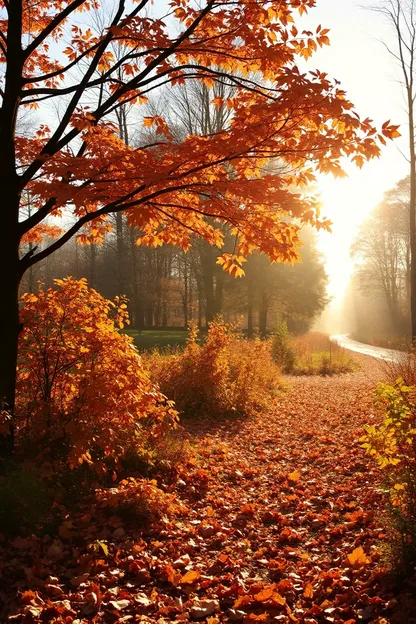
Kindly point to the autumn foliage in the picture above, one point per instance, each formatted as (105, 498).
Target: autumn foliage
(392, 444)
(171, 189)
(223, 375)
(83, 393)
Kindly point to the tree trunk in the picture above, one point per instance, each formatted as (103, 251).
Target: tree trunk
(9, 332)
(412, 216)
(250, 309)
(263, 312)
(121, 255)
(9, 231)
(219, 291)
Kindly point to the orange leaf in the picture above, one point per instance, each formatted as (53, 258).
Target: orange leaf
(190, 577)
(265, 594)
(294, 476)
(308, 591)
(358, 557)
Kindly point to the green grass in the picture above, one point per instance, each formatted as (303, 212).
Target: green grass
(148, 339)
(315, 354)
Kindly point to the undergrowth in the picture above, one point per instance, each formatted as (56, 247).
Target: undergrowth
(311, 354)
(392, 444)
(226, 375)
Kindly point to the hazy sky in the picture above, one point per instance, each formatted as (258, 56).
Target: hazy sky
(370, 76)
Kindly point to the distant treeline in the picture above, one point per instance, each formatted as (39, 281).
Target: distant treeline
(167, 286)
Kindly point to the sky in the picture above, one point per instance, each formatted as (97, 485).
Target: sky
(371, 77)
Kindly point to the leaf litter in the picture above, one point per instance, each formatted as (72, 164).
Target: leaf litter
(280, 521)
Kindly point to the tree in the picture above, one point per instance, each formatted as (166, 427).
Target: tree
(401, 14)
(382, 253)
(75, 164)
(295, 294)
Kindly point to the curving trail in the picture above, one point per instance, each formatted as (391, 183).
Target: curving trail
(380, 353)
(282, 524)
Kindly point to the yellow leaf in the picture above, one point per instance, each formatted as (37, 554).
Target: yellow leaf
(358, 557)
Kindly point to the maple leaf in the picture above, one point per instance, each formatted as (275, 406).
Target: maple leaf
(357, 557)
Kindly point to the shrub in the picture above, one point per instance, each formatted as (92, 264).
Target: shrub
(225, 375)
(83, 393)
(282, 348)
(392, 443)
(401, 365)
(138, 500)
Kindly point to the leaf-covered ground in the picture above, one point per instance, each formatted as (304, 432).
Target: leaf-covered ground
(280, 523)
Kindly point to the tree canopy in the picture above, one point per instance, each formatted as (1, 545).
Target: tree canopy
(88, 68)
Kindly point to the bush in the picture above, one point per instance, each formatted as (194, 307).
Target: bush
(139, 500)
(393, 446)
(402, 365)
(225, 375)
(282, 348)
(83, 393)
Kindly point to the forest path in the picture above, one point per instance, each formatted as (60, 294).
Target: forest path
(289, 497)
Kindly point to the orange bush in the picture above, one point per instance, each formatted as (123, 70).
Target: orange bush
(83, 393)
(224, 375)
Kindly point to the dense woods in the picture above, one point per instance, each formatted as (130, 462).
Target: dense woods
(168, 287)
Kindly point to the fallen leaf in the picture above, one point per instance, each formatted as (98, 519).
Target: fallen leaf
(190, 577)
(357, 557)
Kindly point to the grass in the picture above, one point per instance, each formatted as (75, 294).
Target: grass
(317, 355)
(149, 339)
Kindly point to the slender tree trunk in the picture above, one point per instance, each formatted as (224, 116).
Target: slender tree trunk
(263, 312)
(250, 311)
(93, 266)
(412, 216)
(121, 255)
(186, 291)
(219, 291)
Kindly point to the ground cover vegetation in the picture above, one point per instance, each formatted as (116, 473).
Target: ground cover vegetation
(309, 354)
(222, 375)
(266, 525)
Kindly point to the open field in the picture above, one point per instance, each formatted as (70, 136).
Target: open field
(148, 339)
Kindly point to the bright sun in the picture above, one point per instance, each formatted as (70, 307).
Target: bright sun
(346, 202)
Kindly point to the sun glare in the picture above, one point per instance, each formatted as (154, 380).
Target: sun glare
(346, 202)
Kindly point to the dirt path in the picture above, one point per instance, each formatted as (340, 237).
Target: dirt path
(273, 509)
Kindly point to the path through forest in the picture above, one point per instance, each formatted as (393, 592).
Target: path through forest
(282, 524)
